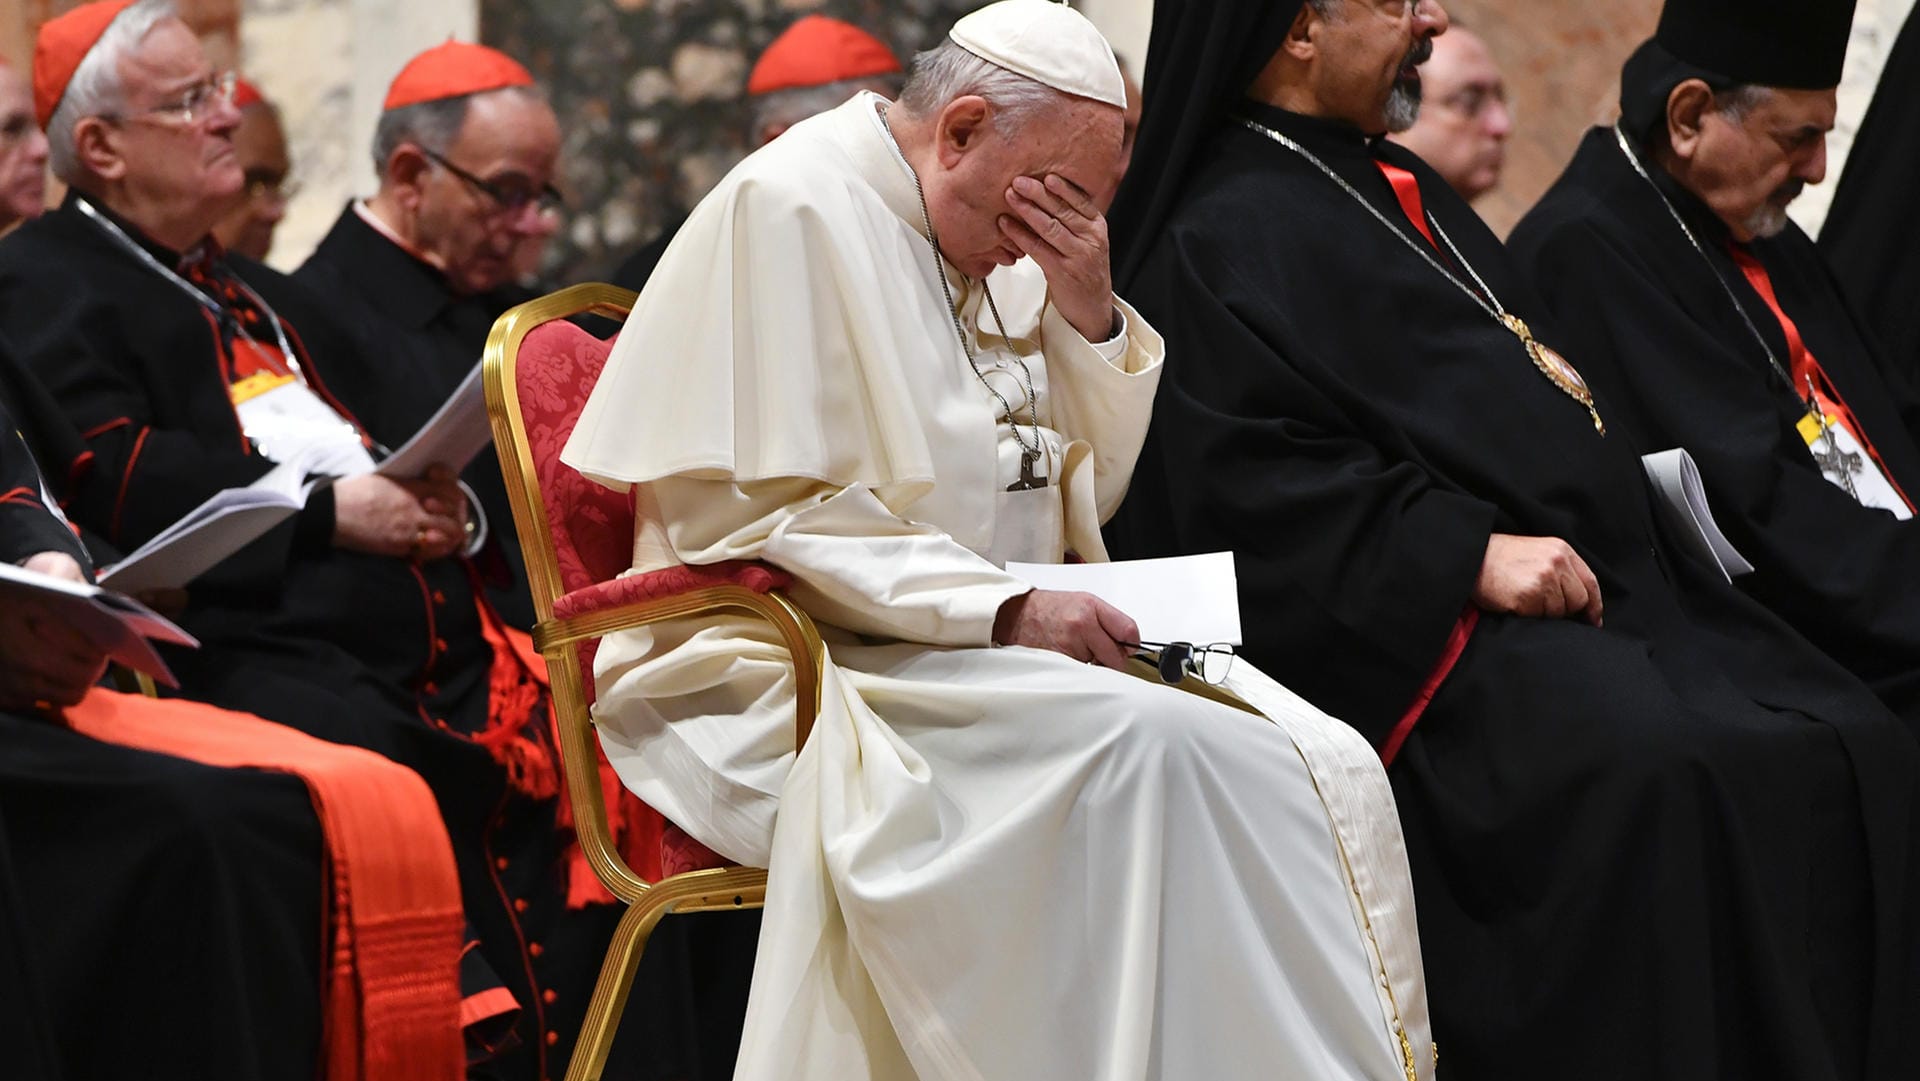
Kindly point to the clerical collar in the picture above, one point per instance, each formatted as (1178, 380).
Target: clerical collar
(410, 290)
(893, 183)
(1331, 140)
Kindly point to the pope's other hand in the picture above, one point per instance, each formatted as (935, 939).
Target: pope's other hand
(41, 658)
(1080, 625)
(407, 518)
(1541, 577)
(1062, 228)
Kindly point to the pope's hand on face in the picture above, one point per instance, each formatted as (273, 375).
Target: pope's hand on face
(1080, 625)
(1063, 230)
(43, 659)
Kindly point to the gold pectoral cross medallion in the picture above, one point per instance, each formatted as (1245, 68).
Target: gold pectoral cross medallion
(1556, 368)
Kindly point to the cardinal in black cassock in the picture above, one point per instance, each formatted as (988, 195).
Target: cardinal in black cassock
(172, 905)
(1871, 226)
(1711, 322)
(1677, 845)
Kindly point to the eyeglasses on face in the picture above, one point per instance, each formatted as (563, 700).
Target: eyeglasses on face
(194, 104)
(1471, 101)
(511, 194)
(272, 187)
(1178, 660)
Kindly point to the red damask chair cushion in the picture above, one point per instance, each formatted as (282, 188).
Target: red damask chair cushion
(591, 529)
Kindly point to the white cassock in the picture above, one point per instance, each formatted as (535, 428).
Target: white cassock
(989, 864)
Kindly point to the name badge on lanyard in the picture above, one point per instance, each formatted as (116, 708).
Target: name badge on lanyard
(1847, 465)
(285, 420)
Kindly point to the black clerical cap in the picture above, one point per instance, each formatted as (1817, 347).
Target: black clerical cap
(1202, 57)
(1794, 44)
(1728, 43)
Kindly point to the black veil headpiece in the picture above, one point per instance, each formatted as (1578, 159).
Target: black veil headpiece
(1202, 56)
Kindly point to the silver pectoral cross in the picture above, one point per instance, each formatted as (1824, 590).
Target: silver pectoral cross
(1029, 480)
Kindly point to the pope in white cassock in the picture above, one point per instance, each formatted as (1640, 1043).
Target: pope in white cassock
(885, 356)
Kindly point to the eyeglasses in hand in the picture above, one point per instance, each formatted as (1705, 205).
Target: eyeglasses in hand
(510, 193)
(1178, 660)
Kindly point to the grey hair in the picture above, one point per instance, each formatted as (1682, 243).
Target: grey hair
(1737, 102)
(785, 108)
(95, 89)
(947, 71)
(430, 125)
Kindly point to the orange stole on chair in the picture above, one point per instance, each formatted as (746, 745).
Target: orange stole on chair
(393, 913)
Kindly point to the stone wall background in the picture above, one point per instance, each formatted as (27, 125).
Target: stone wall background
(651, 97)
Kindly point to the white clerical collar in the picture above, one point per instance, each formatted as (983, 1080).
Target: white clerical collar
(873, 104)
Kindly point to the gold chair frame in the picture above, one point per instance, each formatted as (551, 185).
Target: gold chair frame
(715, 890)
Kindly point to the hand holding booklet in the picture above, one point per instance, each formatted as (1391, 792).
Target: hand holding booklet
(1178, 599)
(235, 517)
(117, 625)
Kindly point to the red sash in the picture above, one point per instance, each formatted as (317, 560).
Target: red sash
(393, 914)
(1807, 370)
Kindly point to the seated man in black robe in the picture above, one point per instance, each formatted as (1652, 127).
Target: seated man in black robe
(1712, 323)
(1654, 834)
(154, 912)
(355, 621)
(466, 150)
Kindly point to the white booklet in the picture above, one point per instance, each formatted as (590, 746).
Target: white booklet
(1683, 499)
(452, 437)
(1177, 599)
(228, 521)
(233, 518)
(117, 625)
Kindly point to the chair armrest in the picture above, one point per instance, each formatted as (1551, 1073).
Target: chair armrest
(675, 592)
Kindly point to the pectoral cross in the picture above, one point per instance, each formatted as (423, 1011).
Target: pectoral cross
(1029, 480)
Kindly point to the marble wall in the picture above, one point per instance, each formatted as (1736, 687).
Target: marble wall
(651, 94)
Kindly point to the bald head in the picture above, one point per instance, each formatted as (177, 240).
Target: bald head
(23, 151)
(1464, 121)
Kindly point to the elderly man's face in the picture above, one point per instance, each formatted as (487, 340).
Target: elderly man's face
(510, 142)
(173, 156)
(1369, 53)
(261, 146)
(1464, 123)
(1749, 168)
(23, 152)
(967, 194)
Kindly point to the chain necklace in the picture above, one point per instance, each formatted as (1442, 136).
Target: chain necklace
(1549, 362)
(132, 247)
(1833, 459)
(1029, 453)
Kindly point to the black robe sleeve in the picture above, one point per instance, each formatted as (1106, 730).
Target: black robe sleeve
(81, 344)
(27, 526)
(1352, 569)
(1838, 571)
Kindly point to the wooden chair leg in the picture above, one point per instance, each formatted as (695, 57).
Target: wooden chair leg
(610, 991)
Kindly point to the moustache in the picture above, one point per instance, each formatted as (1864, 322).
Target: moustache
(1788, 192)
(1421, 52)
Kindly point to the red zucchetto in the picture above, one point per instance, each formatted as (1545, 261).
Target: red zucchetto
(816, 51)
(245, 94)
(454, 70)
(63, 42)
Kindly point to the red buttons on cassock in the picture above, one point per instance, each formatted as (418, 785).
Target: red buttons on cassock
(552, 1038)
(535, 949)
(548, 996)
(500, 864)
(520, 904)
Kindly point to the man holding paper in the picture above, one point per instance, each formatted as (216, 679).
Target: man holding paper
(163, 891)
(1654, 834)
(1716, 325)
(885, 356)
(466, 150)
(189, 372)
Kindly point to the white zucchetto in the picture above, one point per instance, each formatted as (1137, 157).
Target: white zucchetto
(1047, 42)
